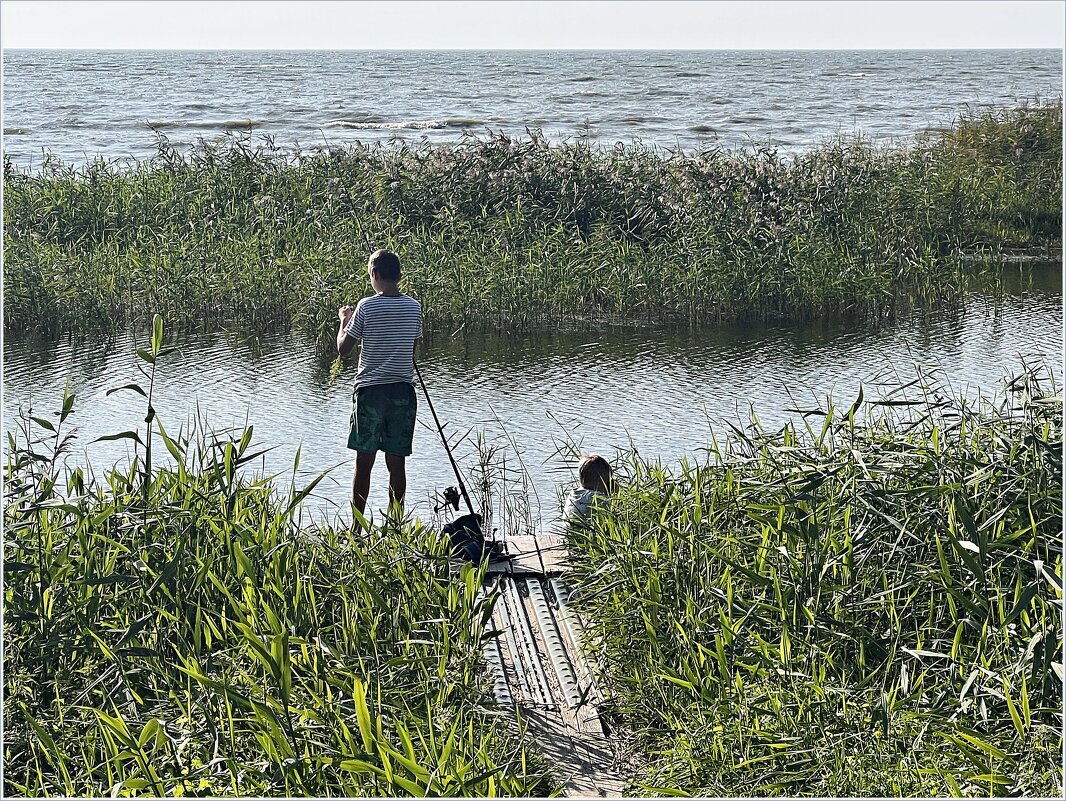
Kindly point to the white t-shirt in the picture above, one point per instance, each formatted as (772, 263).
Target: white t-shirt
(577, 507)
(579, 503)
(387, 327)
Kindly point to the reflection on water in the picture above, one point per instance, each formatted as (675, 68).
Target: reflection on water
(660, 392)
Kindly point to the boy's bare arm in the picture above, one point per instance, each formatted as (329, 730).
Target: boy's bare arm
(345, 343)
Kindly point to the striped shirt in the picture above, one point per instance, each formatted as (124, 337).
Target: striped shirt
(388, 327)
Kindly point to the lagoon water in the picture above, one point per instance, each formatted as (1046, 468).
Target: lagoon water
(81, 104)
(659, 391)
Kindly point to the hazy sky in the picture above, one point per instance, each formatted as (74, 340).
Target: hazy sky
(478, 25)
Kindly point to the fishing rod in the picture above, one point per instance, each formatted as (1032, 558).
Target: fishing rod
(444, 440)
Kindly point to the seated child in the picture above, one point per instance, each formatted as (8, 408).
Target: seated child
(594, 473)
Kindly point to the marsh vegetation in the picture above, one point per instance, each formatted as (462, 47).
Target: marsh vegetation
(184, 631)
(867, 601)
(497, 232)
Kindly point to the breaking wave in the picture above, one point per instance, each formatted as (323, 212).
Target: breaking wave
(207, 124)
(411, 125)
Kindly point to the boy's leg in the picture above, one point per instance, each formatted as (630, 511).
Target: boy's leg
(364, 463)
(367, 427)
(397, 466)
(398, 436)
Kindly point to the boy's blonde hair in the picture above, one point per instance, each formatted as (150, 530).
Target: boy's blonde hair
(594, 473)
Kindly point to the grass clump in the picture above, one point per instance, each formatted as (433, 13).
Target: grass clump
(180, 631)
(867, 603)
(496, 232)
(1014, 155)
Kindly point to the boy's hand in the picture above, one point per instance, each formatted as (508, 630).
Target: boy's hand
(345, 343)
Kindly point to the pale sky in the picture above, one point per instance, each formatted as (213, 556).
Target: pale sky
(546, 24)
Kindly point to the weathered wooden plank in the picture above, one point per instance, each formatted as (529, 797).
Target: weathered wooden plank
(540, 652)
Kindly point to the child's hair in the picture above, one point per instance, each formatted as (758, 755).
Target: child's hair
(594, 473)
(386, 263)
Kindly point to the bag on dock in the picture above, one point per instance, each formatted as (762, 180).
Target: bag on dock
(467, 541)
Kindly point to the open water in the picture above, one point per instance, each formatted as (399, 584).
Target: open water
(81, 104)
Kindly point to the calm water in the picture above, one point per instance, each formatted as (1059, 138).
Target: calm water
(81, 104)
(660, 392)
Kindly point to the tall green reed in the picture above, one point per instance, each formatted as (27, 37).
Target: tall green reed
(177, 630)
(865, 602)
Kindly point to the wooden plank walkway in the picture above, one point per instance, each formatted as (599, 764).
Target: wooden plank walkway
(538, 668)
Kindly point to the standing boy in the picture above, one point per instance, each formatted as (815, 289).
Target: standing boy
(388, 324)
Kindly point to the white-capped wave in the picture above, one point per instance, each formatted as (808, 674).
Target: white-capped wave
(223, 124)
(416, 125)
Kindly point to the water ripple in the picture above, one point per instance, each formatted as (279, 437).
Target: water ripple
(657, 391)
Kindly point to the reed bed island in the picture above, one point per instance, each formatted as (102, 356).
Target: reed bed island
(503, 231)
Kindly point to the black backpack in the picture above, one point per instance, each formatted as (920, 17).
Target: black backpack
(467, 541)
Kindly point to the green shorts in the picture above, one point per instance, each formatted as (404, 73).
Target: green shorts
(383, 419)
